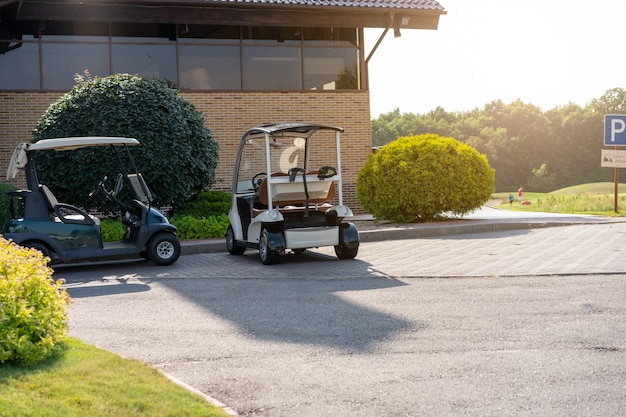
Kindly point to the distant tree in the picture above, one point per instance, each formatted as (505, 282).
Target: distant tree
(577, 133)
(177, 154)
(384, 129)
(525, 145)
(419, 178)
(611, 102)
(542, 180)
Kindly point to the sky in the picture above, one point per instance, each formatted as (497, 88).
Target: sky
(544, 52)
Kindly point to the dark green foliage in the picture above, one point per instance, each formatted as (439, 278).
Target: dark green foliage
(418, 178)
(177, 155)
(112, 230)
(5, 200)
(204, 216)
(540, 150)
(190, 227)
(207, 203)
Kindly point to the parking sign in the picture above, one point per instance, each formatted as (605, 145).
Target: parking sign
(615, 130)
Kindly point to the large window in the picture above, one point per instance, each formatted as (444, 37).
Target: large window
(331, 69)
(209, 68)
(272, 69)
(150, 60)
(19, 65)
(61, 61)
(195, 57)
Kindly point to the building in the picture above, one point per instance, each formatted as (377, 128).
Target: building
(241, 62)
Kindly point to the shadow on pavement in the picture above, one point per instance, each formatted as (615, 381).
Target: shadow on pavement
(304, 300)
(298, 311)
(105, 289)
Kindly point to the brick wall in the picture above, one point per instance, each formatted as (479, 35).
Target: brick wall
(228, 115)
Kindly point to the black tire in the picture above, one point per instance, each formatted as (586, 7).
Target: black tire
(41, 247)
(163, 249)
(344, 253)
(231, 244)
(265, 254)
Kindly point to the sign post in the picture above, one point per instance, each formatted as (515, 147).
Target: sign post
(614, 135)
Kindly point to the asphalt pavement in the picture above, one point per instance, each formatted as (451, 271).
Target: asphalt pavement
(495, 314)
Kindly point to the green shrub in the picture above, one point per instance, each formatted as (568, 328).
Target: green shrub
(419, 178)
(177, 155)
(4, 200)
(190, 227)
(33, 308)
(205, 204)
(112, 230)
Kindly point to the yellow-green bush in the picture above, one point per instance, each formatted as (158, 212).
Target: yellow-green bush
(33, 307)
(418, 178)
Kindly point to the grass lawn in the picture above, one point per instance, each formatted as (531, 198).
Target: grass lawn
(82, 380)
(594, 198)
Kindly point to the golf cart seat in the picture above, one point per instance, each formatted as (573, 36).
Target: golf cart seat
(66, 212)
(290, 196)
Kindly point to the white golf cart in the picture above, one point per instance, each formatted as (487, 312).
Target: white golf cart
(287, 193)
(66, 233)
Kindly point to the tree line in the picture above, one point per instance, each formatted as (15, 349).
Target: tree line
(526, 146)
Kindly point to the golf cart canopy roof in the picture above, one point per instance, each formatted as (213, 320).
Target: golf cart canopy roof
(70, 144)
(19, 159)
(302, 128)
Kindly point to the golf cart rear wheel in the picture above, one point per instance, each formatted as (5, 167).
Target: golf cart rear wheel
(265, 254)
(163, 249)
(41, 247)
(346, 253)
(231, 244)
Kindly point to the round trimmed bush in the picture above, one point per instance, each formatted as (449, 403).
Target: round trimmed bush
(177, 155)
(33, 317)
(5, 200)
(419, 178)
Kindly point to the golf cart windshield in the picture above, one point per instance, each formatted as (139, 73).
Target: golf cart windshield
(278, 149)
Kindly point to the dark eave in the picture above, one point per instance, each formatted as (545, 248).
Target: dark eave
(406, 14)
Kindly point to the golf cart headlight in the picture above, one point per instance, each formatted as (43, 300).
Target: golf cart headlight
(343, 211)
(273, 214)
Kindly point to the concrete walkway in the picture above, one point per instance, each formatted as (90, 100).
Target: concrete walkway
(487, 219)
(485, 316)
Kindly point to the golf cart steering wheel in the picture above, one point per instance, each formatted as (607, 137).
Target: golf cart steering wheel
(118, 185)
(327, 172)
(99, 187)
(256, 181)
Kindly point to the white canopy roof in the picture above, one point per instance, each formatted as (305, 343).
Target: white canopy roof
(19, 157)
(69, 144)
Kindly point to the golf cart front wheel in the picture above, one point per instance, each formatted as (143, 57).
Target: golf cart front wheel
(231, 244)
(343, 252)
(163, 249)
(265, 253)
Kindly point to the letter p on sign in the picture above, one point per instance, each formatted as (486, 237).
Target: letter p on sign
(615, 130)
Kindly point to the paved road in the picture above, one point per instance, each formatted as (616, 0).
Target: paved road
(515, 322)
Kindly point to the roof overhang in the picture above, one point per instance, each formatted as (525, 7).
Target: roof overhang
(313, 13)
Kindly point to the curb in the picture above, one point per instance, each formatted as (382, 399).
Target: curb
(373, 232)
